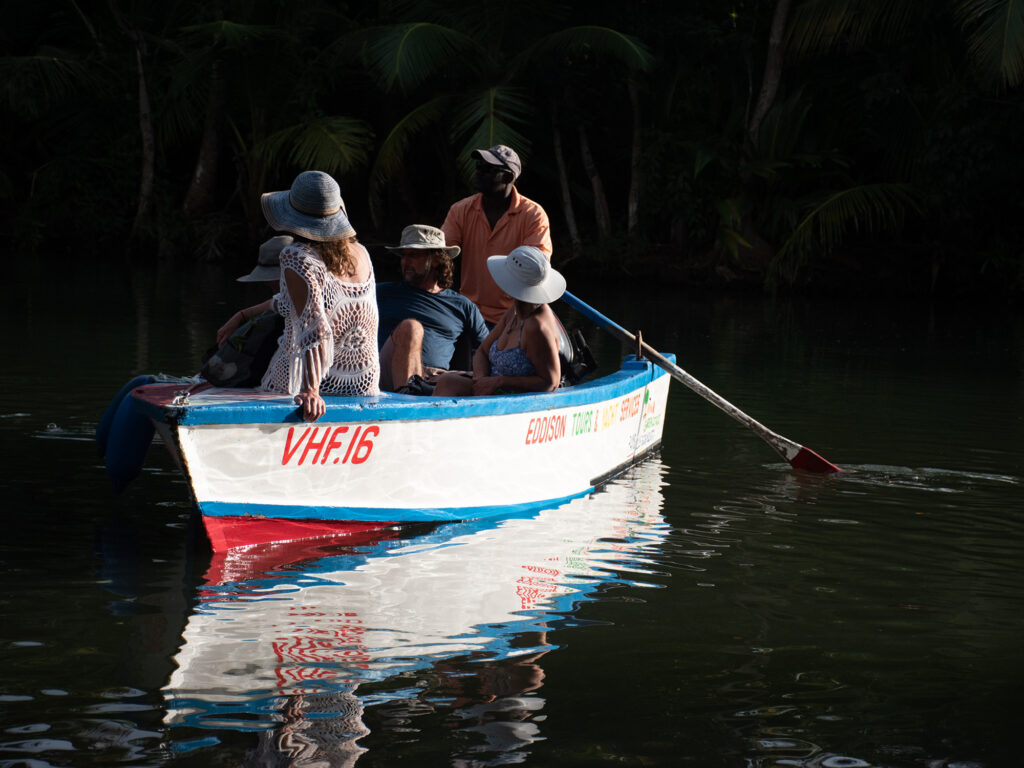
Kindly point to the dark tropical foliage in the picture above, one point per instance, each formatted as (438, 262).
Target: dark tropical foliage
(833, 144)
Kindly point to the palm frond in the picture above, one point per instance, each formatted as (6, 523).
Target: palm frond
(995, 37)
(404, 55)
(34, 84)
(497, 21)
(867, 209)
(590, 41)
(228, 34)
(184, 103)
(391, 154)
(486, 118)
(727, 235)
(783, 126)
(821, 25)
(335, 145)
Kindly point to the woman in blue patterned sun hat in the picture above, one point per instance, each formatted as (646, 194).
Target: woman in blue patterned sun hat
(326, 296)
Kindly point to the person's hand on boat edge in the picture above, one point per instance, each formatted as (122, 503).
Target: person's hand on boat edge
(312, 405)
(489, 385)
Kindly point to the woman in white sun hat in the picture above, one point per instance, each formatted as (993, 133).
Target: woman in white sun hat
(521, 352)
(327, 298)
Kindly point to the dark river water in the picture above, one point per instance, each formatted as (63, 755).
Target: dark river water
(710, 608)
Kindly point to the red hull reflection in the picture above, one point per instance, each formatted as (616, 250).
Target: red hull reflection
(229, 532)
(240, 563)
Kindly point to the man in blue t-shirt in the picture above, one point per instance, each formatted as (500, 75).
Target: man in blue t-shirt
(422, 318)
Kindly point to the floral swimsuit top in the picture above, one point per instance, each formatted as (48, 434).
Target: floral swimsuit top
(512, 361)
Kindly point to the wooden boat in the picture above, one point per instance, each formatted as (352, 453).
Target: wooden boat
(259, 474)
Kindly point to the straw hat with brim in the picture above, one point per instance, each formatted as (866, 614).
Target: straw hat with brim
(312, 208)
(420, 237)
(268, 263)
(526, 274)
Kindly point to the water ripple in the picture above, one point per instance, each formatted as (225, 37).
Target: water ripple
(923, 478)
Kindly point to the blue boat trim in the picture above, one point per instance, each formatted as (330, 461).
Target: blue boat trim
(380, 514)
(392, 407)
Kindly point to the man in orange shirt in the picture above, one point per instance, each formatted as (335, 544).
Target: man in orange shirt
(494, 222)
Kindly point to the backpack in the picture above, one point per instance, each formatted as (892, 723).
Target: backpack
(574, 356)
(242, 360)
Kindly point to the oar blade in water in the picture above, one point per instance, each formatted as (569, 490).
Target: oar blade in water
(810, 461)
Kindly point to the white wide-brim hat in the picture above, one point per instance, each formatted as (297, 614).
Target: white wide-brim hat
(526, 274)
(312, 208)
(422, 237)
(268, 263)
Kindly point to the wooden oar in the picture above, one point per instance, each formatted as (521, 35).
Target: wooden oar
(797, 455)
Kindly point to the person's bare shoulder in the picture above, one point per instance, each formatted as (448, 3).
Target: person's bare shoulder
(541, 323)
(361, 258)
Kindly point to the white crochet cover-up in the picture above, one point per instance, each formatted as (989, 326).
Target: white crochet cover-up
(339, 323)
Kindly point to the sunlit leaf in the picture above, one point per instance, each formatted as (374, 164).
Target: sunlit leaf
(731, 241)
(404, 55)
(335, 145)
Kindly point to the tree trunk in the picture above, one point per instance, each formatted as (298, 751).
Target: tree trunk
(635, 174)
(202, 190)
(563, 185)
(601, 215)
(250, 173)
(147, 168)
(772, 70)
(753, 253)
(148, 165)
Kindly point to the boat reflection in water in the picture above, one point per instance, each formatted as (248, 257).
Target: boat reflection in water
(451, 621)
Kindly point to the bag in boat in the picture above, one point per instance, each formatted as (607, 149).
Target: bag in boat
(242, 360)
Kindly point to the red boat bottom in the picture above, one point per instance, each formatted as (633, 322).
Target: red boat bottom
(228, 532)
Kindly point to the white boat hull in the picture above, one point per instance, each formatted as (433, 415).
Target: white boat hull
(399, 459)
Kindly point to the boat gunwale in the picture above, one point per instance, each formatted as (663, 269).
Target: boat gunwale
(631, 374)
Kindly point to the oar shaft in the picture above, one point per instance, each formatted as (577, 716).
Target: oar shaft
(785, 447)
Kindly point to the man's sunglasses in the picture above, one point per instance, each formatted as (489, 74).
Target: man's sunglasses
(486, 169)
